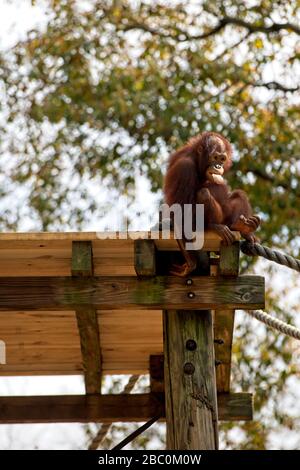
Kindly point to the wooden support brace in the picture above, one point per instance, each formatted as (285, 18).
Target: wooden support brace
(224, 319)
(122, 292)
(106, 408)
(82, 266)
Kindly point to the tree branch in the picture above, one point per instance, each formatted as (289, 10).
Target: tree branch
(274, 86)
(227, 20)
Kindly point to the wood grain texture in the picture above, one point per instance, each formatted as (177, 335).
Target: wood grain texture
(223, 334)
(211, 238)
(82, 259)
(50, 254)
(160, 292)
(229, 260)
(48, 343)
(190, 390)
(145, 257)
(106, 408)
(224, 319)
(87, 322)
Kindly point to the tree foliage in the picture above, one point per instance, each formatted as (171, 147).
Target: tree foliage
(108, 88)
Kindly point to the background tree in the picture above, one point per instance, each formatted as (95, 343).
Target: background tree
(107, 89)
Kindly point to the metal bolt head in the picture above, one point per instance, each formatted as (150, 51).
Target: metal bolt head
(191, 345)
(189, 282)
(219, 341)
(189, 368)
(191, 295)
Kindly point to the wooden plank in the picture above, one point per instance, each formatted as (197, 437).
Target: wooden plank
(82, 266)
(160, 292)
(106, 408)
(47, 342)
(145, 257)
(212, 240)
(190, 384)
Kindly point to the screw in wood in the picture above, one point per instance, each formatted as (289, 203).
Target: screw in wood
(188, 368)
(219, 341)
(191, 345)
(189, 282)
(191, 295)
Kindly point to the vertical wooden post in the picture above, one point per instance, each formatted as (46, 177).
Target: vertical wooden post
(190, 383)
(82, 266)
(229, 266)
(190, 378)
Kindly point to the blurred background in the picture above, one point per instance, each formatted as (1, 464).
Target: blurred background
(94, 96)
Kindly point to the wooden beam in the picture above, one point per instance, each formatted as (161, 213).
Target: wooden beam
(224, 319)
(156, 372)
(190, 382)
(145, 257)
(223, 334)
(82, 259)
(108, 292)
(90, 349)
(229, 260)
(82, 266)
(106, 408)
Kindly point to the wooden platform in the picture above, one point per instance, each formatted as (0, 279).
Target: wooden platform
(46, 341)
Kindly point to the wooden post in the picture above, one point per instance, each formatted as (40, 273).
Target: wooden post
(82, 266)
(190, 383)
(190, 377)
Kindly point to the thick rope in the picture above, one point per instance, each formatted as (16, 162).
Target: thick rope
(256, 249)
(274, 323)
(103, 431)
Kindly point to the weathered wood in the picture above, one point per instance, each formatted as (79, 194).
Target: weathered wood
(190, 390)
(82, 266)
(82, 258)
(90, 349)
(224, 322)
(145, 257)
(160, 292)
(229, 259)
(224, 319)
(223, 333)
(156, 372)
(235, 406)
(106, 408)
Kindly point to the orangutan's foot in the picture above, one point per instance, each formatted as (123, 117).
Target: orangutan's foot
(246, 225)
(183, 269)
